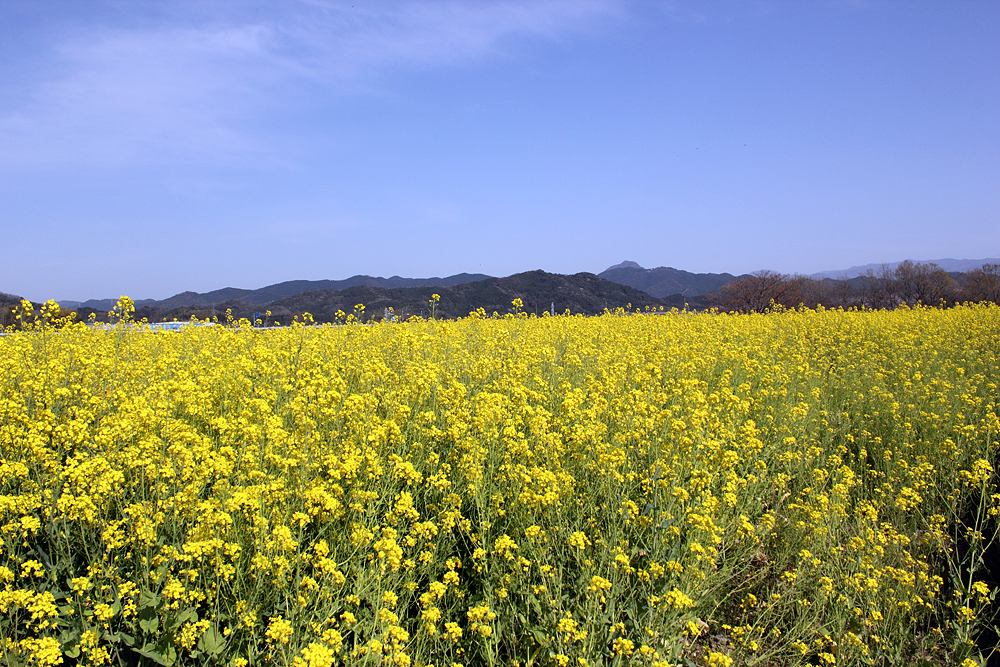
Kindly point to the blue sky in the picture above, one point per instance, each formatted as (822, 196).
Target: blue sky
(148, 148)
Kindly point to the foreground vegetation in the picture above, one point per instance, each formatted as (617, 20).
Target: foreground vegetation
(803, 487)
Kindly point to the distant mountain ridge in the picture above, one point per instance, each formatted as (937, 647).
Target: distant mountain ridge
(948, 264)
(100, 304)
(665, 281)
(539, 291)
(270, 293)
(674, 286)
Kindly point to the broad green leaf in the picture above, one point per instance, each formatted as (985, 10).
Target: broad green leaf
(212, 642)
(149, 622)
(186, 616)
(166, 658)
(148, 599)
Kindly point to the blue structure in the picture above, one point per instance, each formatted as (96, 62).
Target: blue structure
(177, 326)
(168, 326)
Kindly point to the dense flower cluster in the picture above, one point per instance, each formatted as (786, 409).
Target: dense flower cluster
(710, 489)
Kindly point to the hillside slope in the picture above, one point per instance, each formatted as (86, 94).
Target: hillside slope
(540, 291)
(271, 293)
(665, 281)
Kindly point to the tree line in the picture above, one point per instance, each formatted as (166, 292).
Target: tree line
(909, 284)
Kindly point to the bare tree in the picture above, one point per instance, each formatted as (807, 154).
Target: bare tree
(828, 293)
(935, 285)
(928, 284)
(755, 292)
(877, 288)
(905, 281)
(982, 284)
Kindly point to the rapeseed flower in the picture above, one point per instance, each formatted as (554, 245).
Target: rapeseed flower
(792, 482)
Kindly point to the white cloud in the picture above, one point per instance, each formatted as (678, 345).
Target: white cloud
(185, 88)
(443, 32)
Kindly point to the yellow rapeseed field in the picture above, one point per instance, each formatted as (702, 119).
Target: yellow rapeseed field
(801, 487)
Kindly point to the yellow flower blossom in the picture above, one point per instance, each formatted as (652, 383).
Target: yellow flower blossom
(659, 481)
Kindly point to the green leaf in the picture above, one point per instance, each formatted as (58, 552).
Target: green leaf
(540, 637)
(188, 615)
(69, 640)
(148, 599)
(119, 637)
(166, 658)
(212, 642)
(148, 620)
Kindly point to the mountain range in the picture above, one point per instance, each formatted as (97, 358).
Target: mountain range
(949, 265)
(266, 295)
(539, 291)
(667, 286)
(661, 282)
(665, 281)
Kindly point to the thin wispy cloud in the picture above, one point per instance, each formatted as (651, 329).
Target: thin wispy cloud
(112, 95)
(429, 34)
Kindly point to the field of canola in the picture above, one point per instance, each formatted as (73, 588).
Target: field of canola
(812, 487)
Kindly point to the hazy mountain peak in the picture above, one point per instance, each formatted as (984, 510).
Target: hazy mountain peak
(627, 264)
(948, 264)
(665, 281)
